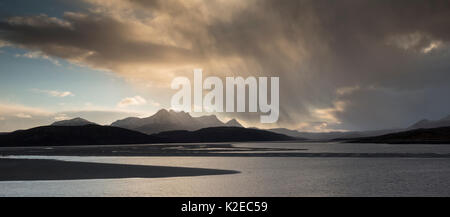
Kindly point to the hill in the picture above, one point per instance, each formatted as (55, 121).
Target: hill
(72, 122)
(233, 123)
(444, 122)
(75, 135)
(222, 134)
(439, 135)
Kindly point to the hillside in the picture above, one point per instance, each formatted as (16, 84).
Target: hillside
(420, 136)
(222, 134)
(444, 122)
(74, 135)
(72, 122)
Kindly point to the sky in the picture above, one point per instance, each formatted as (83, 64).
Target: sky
(343, 65)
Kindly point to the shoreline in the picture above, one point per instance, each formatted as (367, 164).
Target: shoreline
(207, 150)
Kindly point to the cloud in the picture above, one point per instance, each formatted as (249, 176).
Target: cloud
(3, 43)
(60, 94)
(314, 127)
(347, 90)
(8, 109)
(320, 50)
(103, 116)
(136, 100)
(38, 55)
(155, 104)
(432, 46)
(61, 116)
(22, 115)
(55, 93)
(16, 116)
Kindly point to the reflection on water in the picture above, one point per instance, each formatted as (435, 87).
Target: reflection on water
(333, 147)
(268, 176)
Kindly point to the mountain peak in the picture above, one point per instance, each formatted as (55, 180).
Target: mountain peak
(446, 118)
(423, 121)
(73, 122)
(233, 123)
(171, 113)
(162, 112)
(175, 111)
(166, 120)
(444, 122)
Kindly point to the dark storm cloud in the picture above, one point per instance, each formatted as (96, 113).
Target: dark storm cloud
(390, 50)
(100, 40)
(338, 44)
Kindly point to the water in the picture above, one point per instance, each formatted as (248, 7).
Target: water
(267, 176)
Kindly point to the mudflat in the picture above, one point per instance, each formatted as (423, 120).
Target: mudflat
(43, 169)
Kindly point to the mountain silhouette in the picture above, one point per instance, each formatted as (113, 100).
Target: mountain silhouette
(333, 134)
(288, 132)
(233, 123)
(439, 135)
(73, 122)
(336, 135)
(168, 120)
(167, 126)
(222, 134)
(75, 135)
(444, 122)
(107, 135)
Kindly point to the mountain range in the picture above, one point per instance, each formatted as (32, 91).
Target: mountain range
(107, 135)
(336, 135)
(320, 136)
(162, 127)
(73, 122)
(425, 123)
(440, 135)
(168, 120)
(75, 135)
(222, 134)
(167, 126)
